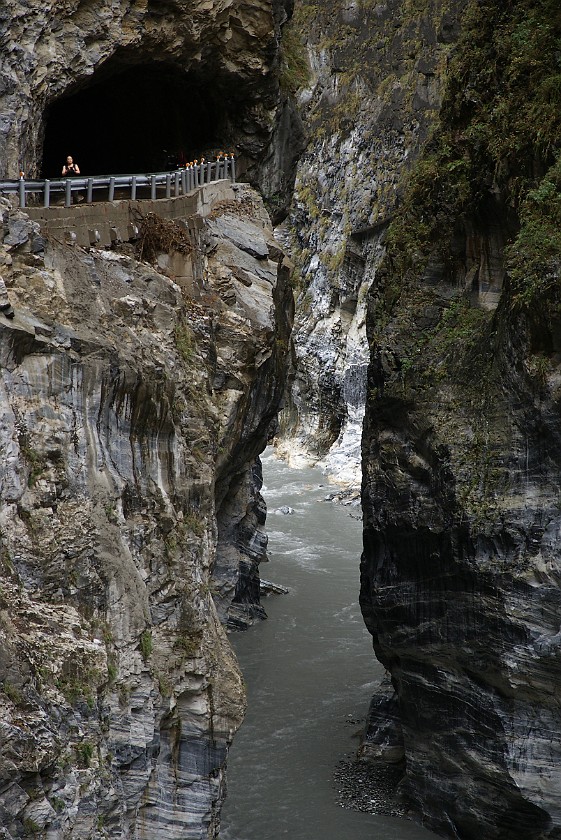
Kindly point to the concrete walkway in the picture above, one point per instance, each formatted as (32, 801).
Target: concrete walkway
(106, 223)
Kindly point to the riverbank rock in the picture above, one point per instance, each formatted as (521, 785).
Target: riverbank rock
(370, 788)
(267, 587)
(134, 405)
(285, 510)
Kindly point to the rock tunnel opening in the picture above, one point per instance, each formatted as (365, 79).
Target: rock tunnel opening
(141, 118)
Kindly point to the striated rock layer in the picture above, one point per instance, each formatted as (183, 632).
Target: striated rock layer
(374, 91)
(136, 397)
(429, 199)
(461, 457)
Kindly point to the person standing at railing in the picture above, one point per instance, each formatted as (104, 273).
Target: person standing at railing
(70, 168)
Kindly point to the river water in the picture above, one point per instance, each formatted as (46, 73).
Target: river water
(310, 672)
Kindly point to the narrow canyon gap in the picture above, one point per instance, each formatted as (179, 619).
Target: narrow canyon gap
(137, 393)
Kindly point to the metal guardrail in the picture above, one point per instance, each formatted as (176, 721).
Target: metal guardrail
(178, 182)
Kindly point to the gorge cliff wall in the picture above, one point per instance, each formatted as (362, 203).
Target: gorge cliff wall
(372, 93)
(460, 571)
(426, 230)
(138, 388)
(139, 385)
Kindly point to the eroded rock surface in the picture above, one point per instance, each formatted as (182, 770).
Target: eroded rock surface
(376, 79)
(460, 572)
(133, 410)
(426, 227)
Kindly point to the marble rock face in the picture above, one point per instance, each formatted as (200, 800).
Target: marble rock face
(460, 574)
(460, 447)
(460, 590)
(374, 92)
(133, 407)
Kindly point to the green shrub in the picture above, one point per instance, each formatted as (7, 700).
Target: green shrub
(294, 67)
(12, 692)
(85, 753)
(194, 524)
(534, 258)
(146, 644)
(185, 342)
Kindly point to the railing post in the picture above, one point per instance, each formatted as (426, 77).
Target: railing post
(153, 187)
(233, 164)
(22, 192)
(68, 193)
(168, 186)
(191, 179)
(209, 172)
(183, 181)
(133, 188)
(47, 194)
(176, 184)
(111, 188)
(89, 192)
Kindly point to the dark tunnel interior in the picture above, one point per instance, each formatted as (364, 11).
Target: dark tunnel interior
(143, 118)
